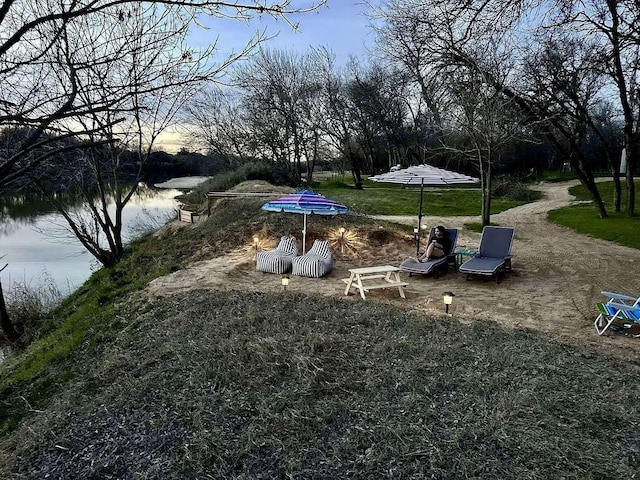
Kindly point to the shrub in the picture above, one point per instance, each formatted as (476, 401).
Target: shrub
(512, 189)
(28, 306)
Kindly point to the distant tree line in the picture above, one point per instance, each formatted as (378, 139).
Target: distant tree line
(159, 166)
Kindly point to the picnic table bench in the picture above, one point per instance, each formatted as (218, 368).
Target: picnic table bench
(387, 276)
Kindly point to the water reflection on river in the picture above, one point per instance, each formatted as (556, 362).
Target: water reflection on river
(38, 249)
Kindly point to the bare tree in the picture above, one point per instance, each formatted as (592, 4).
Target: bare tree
(279, 88)
(152, 75)
(335, 108)
(613, 26)
(401, 41)
(463, 94)
(37, 93)
(213, 120)
(7, 326)
(572, 96)
(489, 124)
(362, 113)
(378, 100)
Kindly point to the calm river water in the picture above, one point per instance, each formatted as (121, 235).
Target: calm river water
(39, 251)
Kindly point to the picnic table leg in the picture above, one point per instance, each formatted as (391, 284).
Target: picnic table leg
(346, 290)
(400, 289)
(360, 286)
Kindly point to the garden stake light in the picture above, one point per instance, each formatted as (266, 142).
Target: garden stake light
(448, 300)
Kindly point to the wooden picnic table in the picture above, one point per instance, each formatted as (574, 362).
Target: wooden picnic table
(386, 276)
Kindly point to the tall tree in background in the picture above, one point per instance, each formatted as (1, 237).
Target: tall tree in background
(363, 112)
(613, 25)
(279, 87)
(339, 123)
(378, 100)
(213, 121)
(400, 40)
(572, 95)
(489, 125)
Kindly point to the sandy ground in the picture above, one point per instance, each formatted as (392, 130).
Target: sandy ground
(556, 280)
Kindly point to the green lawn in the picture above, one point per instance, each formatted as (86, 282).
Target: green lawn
(390, 199)
(617, 227)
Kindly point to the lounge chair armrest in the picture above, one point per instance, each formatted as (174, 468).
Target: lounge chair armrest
(618, 296)
(623, 307)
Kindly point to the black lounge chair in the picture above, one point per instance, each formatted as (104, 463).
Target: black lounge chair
(424, 268)
(494, 254)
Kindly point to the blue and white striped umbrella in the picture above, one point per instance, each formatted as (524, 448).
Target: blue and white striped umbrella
(305, 202)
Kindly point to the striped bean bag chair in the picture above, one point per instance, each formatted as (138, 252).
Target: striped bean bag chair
(316, 263)
(278, 260)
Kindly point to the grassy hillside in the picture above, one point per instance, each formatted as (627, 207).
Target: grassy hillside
(222, 385)
(246, 385)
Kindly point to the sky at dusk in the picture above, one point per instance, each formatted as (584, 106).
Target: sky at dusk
(341, 26)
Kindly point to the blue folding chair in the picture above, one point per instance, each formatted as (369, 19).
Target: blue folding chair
(619, 317)
(615, 297)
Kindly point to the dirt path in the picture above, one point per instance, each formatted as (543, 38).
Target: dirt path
(557, 278)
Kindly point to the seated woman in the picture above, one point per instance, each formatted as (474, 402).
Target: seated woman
(437, 246)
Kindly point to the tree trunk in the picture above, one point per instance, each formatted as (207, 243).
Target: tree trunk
(631, 194)
(486, 215)
(617, 192)
(356, 168)
(486, 198)
(357, 177)
(589, 183)
(5, 322)
(586, 178)
(632, 161)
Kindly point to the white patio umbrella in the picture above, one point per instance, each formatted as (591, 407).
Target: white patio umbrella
(423, 175)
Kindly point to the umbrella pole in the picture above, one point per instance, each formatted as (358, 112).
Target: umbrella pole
(419, 220)
(304, 234)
